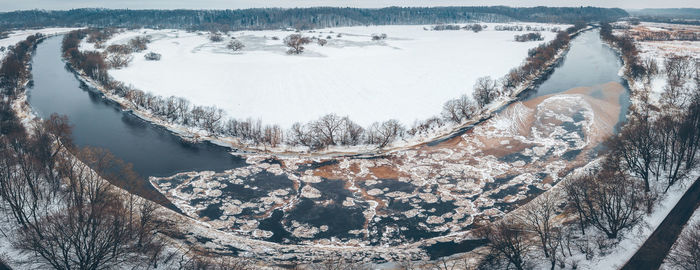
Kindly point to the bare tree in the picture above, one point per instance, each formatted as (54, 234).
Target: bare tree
(577, 190)
(210, 117)
(300, 135)
(673, 148)
(328, 129)
(119, 49)
(377, 37)
(351, 133)
(458, 110)
(637, 147)
(509, 242)
(385, 133)
(651, 68)
(538, 216)
(273, 135)
(118, 61)
(485, 91)
(609, 200)
(140, 43)
(677, 69)
(296, 43)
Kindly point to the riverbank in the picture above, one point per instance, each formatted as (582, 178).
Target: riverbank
(240, 147)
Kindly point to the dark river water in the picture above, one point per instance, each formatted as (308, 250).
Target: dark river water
(98, 122)
(154, 151)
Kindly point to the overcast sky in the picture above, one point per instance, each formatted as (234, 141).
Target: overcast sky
(9, 5)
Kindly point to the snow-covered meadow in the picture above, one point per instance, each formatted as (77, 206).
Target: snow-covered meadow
(660, 50)
(407, 76)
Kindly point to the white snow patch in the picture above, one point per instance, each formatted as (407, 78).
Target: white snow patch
(407, 77)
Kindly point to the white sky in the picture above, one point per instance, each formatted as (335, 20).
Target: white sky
(10, 5)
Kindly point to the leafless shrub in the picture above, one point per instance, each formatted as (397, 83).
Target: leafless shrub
(235, 45)
(377, 37)
(139, 44)
(152, 56)
(216, 37)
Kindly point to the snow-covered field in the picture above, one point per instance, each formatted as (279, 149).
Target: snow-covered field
(659, 50)
(16, 36)
(407, 76)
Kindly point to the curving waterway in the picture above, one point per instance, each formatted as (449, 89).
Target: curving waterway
(99, 122)
(559, 121)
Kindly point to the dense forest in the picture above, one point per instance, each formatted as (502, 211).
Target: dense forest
(668, 15)
(300, 18)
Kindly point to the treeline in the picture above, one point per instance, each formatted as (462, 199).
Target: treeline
(655, 151)
(629, 51)
(473, 27)
(329, 130)
(12, 72)
(667, 35)
(529, 37)
(526, 28)
(300, 18)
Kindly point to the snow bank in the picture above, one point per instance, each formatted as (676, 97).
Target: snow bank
(407, 76)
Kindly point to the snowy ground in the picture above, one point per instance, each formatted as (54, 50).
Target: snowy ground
(407, 76)
(694, 219)
(17, 36)
(659, 50)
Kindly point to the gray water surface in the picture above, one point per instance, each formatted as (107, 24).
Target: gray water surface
(99, 122)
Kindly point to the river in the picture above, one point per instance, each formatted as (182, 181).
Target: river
(587, 71)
